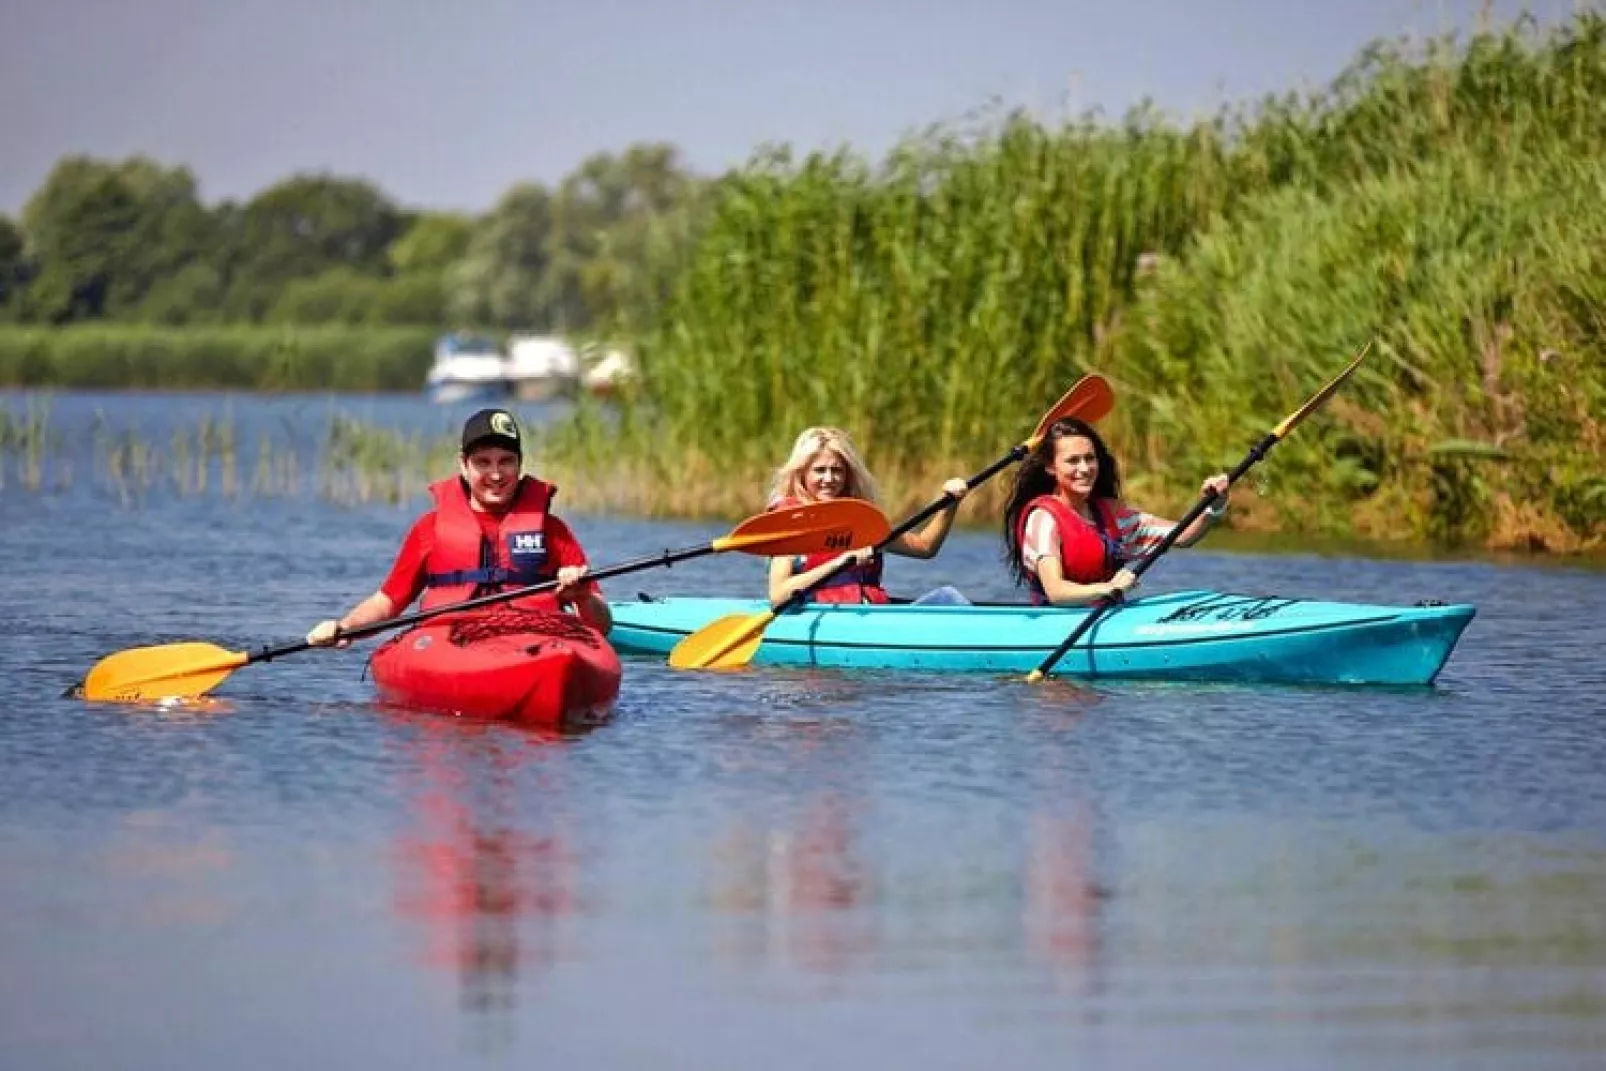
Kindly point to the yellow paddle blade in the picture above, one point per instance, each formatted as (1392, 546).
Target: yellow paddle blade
(170, 671)
(728, 643)
(1090, 398)
(841, 524)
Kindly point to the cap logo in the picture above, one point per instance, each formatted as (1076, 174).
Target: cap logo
(503, 424)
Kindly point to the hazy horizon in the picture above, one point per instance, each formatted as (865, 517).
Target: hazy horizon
(447, 108)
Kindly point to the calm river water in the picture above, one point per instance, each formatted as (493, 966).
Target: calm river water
(776, 869)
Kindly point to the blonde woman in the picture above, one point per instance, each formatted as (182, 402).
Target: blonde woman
(823, 466)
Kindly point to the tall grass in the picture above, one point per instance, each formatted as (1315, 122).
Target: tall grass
(350, 463)
(1483, 415)
(25, 441)
(1443, 196)
(876, 299)
(115, 356)
(363, 464)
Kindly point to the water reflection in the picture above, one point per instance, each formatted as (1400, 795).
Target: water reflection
(486, 867)
(1062, 901)
(801, 885)
(170, 873)
(793, 877)
(1069, 856)
(826, 877)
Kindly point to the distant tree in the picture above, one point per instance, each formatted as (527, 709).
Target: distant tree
(498, 279)
(416, 299)
(419, 259)
(340, 295)
(79, 228)
(131, 240)
(432, 242)
(602, 215)
(303, 227)
(172, 231)
(12, 264)
(193, 296)
(104, 234)
(564, 260)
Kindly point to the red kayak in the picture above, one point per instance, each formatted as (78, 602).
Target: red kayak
(549, 670)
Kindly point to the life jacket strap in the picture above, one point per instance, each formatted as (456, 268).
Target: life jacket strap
(485, 575)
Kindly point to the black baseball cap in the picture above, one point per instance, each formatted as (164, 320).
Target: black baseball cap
(492, 427)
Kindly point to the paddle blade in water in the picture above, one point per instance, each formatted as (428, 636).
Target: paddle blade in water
(1090, 398)
(727, 643)
(820, 528)
(170, 671)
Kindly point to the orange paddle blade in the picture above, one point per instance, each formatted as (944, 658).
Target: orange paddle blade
(1090, 398)
(170, 671)
(727, 643)
(838, 525)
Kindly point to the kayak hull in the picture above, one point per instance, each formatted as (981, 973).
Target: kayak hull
(1188, 635)
(553, 679)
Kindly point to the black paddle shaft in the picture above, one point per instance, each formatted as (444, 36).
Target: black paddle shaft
(1259, 451)
(665, 558)
(931, 509)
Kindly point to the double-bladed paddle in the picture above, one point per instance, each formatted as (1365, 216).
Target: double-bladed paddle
(731, 641)
(188, 670)
(1260, 450)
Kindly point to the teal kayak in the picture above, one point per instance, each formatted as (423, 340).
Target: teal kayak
(1185, 635)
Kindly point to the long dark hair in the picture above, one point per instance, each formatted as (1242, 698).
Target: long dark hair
(1033, 480)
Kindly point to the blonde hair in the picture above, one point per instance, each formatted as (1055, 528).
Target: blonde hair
(788, 481)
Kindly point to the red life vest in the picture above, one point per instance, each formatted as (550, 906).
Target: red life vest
(856, 583)
(1088, 554)
(463, 563)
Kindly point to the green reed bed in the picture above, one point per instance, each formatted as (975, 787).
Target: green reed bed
(1482, 417)
(24, 443)
(242, 357)
(195, 460)
(366, 464)
(1444, 198)
(350, 463)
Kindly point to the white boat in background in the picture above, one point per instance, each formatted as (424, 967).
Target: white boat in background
(541, 366)
(467, 368)
(471, 367)
(609, 373)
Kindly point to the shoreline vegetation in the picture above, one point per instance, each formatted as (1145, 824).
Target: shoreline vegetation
(352, 464)
(1444, 197)
(111, 356)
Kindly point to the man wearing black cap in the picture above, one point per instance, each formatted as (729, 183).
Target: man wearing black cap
(490, 458)
(491, 530)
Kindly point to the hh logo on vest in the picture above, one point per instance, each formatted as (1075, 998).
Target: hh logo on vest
(527, 548)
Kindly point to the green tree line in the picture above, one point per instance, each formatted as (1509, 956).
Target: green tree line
(112, 242)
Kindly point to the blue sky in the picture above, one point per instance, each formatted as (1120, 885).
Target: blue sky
(446, 105)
